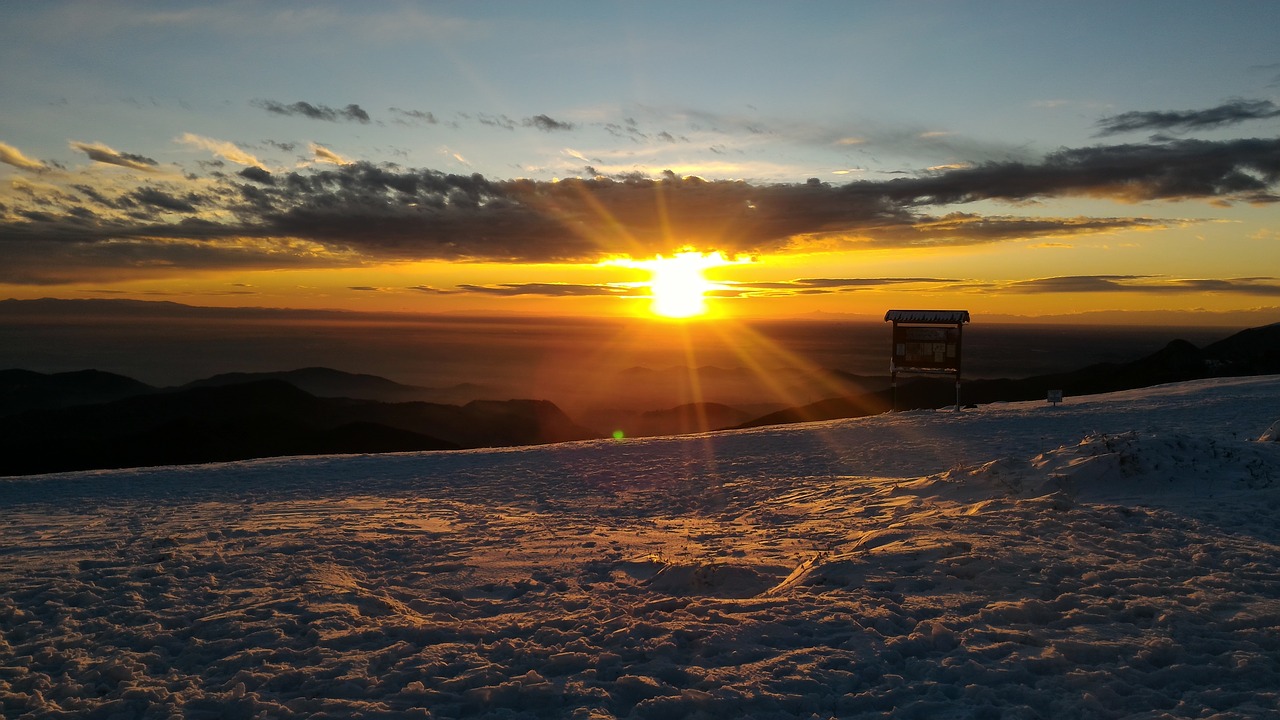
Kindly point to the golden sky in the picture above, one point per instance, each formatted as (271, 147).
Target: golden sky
(434, 158)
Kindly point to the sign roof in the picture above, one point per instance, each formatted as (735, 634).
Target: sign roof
(950, 317)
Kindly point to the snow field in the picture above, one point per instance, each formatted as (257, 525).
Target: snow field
(1116, 556)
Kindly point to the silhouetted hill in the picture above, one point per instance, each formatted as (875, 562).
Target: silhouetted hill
(1255, 351)
(26, 390)
(91, 419)
(688, 418)
(327, 382)
(261, 419)
(318, 381)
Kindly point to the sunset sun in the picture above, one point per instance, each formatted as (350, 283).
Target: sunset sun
(677, 284)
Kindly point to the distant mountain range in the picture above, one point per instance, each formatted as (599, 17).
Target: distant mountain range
(86, 420)
(91, 419)
(1255, 351)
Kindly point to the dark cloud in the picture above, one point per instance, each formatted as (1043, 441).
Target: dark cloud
(838, 284)
(257, 174)
(1235, 169)
(66, 257)
(547, 289)
(404, 116)
(352, 113)
(498, 121)
(1077, 284)
(361, 211)
(546, 124)
(164, 201)
(432, 290)
(103, 154)
(92, 194)
(1231, 113)
(1261, 286)
(1267, 287)
(959, 229)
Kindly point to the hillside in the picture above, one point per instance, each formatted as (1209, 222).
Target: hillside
(261, 418)
(1255, 351)
(1116, 556)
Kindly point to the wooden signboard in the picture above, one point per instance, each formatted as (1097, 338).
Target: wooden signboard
(926, 348)
(926, 341)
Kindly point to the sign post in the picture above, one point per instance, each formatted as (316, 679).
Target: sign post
(928, 342)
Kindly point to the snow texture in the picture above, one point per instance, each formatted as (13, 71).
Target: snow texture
(1116, 556)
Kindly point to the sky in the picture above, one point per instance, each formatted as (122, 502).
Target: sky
(1019, 158)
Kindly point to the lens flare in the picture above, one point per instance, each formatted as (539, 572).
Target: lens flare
(677, 285)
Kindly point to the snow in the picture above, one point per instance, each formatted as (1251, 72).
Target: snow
(1115, 556)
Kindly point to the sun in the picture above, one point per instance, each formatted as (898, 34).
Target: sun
(677, 285)
(677, 288)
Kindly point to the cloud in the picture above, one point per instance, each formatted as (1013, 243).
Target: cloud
(1260, 286)
(1231, 113)
(498, 121)
(221, 148)
(1232, 169)
(325, 155)
(164, 201)
(1077, 284)
(351, 113)
(405, 116)
(257, 174)
(10, 155)
(90, 258)
(432, 290)
(546, 124)
(548, 289)
(822, 286)
(841, 283)
(359, 212)
(103, 154)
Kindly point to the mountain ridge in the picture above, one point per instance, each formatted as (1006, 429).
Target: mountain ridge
(262, 418)
(92, 419)
(1254, 351)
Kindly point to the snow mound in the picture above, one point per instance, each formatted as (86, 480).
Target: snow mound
(1149, 468)
(712, 579)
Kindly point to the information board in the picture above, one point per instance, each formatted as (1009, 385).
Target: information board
(926, 348)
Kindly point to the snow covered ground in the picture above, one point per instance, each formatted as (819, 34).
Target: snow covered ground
(1115, 556)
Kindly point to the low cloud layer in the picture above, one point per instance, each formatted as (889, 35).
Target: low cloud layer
(1231, 113)
(103, 154)
(824, 286)
(350, 113)
(1072, 284)
(344, 211)
(1259, 286)
(549, 290)
(355, 113)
